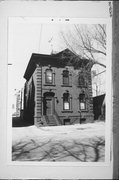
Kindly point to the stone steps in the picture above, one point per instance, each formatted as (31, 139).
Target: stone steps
(52, 121)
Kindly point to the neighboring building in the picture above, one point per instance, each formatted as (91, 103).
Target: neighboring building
(99, 107)
(98, 80)
(22, 103)
(56, 91)
(18, 105)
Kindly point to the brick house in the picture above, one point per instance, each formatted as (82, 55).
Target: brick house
(56, 91)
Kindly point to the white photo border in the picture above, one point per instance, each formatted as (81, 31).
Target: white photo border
(108, 90)
(67, 165)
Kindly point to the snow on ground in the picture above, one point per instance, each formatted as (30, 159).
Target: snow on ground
(80, 142)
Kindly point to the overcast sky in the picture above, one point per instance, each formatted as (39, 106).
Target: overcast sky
(27, 36)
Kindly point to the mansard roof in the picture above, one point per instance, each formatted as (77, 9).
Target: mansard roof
(59, 60)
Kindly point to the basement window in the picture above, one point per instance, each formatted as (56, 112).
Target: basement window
(82, 120)
(66, 121)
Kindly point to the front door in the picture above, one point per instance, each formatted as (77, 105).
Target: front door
(49, 106)
(48, 103)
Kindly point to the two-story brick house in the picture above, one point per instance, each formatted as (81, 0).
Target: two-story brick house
(56, 91)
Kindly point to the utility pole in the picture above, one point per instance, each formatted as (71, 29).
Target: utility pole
(40, 38)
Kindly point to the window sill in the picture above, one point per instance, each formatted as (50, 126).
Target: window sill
(79, 86)
(67, 111)
(84, 110)
(49, 85)
(66, 85)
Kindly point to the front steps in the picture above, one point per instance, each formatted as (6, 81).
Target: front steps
(51, 120)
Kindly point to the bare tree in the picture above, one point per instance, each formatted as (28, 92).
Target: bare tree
(87, 41)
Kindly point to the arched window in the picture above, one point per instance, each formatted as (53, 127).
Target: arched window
(66, 101)
(49, 76)
(82, 101)
(66, 77)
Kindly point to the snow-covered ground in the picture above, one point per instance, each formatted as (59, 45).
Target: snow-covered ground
(78, 142)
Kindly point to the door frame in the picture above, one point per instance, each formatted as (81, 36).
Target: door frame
(48, 96)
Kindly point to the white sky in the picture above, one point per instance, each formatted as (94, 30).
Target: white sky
(27, 36)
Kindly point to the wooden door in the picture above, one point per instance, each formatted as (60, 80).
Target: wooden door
(49, 106)
(48, 103)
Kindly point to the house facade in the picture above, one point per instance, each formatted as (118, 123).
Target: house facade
(56, 91)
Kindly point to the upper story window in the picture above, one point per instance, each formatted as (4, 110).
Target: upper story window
(82, 80)
(66, 77)
(49, 76)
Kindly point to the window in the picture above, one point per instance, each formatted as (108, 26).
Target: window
(67, 121)
(82, 80)
(66, 77)
(49, 76)
(82, 120)
(82, 101)
(66, 101)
